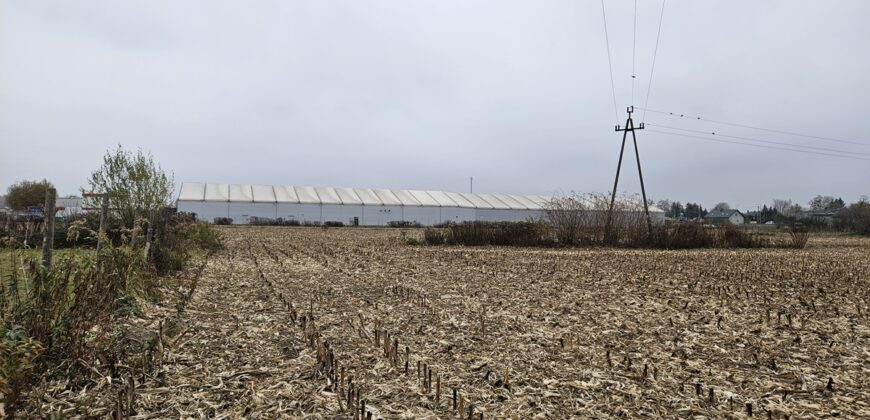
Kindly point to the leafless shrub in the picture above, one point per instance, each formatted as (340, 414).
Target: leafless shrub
(268, 221)
(530, 233)
(434, 236)
(799, 237)
(583, 220)
(403, 224)
(586, 220)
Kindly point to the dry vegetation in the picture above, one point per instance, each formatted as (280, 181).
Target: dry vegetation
(300, 321)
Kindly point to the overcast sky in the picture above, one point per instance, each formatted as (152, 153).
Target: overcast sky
(425, 94)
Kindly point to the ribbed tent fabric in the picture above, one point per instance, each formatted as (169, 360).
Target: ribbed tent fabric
(371, 205)
(246, 193)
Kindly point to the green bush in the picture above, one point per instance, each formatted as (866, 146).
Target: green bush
(201, 235)
(181, 236)
(18, 354)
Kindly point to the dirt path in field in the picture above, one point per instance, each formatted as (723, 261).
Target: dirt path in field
(235, 354)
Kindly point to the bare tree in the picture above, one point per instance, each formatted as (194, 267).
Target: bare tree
(722, 206)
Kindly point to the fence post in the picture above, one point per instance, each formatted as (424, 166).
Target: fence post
(149, 236)
(48, 227)
(104, 220)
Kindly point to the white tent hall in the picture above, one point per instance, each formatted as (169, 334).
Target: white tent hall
(355, 206)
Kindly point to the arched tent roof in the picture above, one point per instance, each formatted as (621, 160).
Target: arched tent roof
(196, 191)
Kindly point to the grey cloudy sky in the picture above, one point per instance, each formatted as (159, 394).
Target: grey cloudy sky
(424, 94)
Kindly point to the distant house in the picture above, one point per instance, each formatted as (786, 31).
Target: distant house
(821, 217)
(734, 217)
(68, 206)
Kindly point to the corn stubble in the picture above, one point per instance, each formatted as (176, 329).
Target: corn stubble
(354, 323)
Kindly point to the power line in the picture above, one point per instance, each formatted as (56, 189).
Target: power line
(652, 69)
(758, 145)
(633, 53)
(610, 64)
(713, 133)
(772, 130)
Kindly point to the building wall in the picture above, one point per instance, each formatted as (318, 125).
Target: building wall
(341, 213)
(457, 214)
(301, 212)
(736, 219)
(241, 213)
(205, 210)
(496, 215)
(427, 216)
(368, 215)
(380, 215)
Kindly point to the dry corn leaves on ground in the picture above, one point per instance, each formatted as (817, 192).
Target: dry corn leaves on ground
(299, 322)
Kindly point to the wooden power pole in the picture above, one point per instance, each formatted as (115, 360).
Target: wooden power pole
(629, 127)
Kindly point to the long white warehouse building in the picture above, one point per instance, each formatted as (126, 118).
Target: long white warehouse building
(354, 206)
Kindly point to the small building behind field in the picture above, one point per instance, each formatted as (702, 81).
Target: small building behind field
(825, 218)
(357, 206)
(734, 217)
(69, 206)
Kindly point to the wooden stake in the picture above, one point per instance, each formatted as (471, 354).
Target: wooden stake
(437, 390)
(483, 321)
(48, 227)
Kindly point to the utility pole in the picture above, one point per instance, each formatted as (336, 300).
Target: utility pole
(629, 127)
(471, 185)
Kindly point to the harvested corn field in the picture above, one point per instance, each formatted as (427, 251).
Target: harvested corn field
(291, 322)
